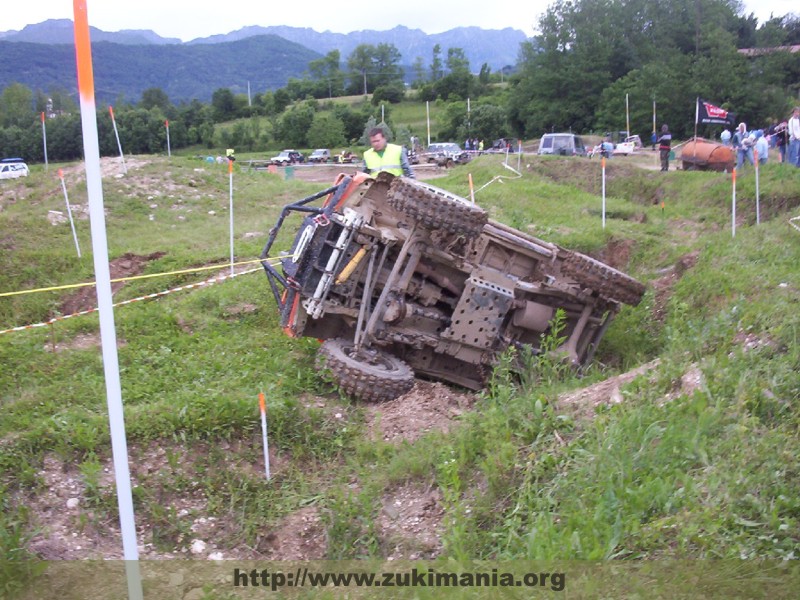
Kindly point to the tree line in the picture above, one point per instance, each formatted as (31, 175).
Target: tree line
(588, 59)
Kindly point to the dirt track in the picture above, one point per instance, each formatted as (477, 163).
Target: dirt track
(328, 173)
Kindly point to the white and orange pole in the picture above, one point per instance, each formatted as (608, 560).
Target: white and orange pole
(116, 134)
(230, 185)
(758, 202)
(733, 205)
(603, 187)
(94, 183)
(262, 405)
(44, 143)
(471, 189)
(69, 211)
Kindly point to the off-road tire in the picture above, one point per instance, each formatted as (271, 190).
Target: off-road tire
(605, 280)
(435, 208)
(372, 376)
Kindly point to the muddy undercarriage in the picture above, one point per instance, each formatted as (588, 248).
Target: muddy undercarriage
(400, 277)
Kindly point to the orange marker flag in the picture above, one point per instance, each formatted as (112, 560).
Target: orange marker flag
(263, 407)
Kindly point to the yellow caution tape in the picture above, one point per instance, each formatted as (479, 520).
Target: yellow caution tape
(135, 277)
(210, 281)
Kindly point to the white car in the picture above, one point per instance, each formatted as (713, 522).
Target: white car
(13, 170)
(625, 148)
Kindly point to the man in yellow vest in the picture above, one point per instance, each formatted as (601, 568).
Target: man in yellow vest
(385, 157)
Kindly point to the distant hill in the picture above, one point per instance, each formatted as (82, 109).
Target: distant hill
(184, 72)
(496, 47)
(61, 31)
(128, 62)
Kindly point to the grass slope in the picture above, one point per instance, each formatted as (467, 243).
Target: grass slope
(669, 472)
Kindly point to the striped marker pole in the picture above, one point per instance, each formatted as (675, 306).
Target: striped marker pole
(758, 203)
(471, 189)
(69, 211)
(603, 165)
(263, 408)
(44, 143)
(230, 186)
(733, 206)
(119, 445)
(116, 134)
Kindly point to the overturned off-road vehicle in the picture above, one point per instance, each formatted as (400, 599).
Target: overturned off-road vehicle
(399, 277)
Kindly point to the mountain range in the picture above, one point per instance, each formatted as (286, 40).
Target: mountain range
(127, 62)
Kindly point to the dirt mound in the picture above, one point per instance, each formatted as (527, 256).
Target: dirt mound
(427, 407)
(664, 284)
(127, 265)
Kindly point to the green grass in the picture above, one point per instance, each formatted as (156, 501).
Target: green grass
(707, 473)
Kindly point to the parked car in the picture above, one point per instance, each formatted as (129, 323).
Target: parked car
(13, 168)
(564, 144)
(287, 157)
(446, 154)
(320, 155)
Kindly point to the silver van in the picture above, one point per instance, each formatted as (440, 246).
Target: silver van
(563, 144)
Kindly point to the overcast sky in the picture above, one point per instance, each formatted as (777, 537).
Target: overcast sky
(190, 19)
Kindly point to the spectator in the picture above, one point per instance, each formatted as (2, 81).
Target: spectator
(606, 148)
(794, 137)
(725, 137)
(781, 136)
(761, 147)
(770, 132)
(664, 146)
(385, 157)
(743, 145)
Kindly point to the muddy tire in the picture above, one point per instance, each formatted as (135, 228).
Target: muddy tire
(605, 280)
(436, 208)
(371, 375)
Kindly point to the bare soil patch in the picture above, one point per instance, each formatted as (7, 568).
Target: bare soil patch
(328, 173)
(664, 284)
(427, 407)
(410, 522)
(127, 265)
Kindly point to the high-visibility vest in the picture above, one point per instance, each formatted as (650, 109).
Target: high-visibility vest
(389, 161)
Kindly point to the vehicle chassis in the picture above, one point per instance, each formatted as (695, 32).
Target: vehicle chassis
(401, 277)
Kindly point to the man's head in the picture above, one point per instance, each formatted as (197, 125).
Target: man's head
(377, 139)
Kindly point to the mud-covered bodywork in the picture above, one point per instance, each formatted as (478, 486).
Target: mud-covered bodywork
(400, 277)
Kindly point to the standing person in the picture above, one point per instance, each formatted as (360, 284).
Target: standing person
(762, 147)
(743, 145)
(782, 139)
(725, 137)
(664, 146)
(794, 137)
(385, 157)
